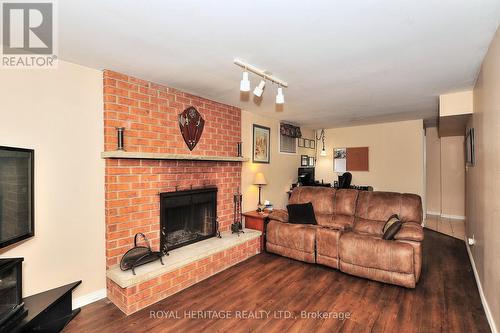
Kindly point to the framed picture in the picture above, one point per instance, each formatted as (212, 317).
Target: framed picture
(301, 142)
(311, 161)
(339, 159)
(312, 144)
(351, 159)
(304, 160)
(469, 147)
(261, 152)
(307, 143)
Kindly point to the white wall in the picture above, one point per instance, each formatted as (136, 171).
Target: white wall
(396, 155)
(483, 182)
(58, 112)
(445, 171)
(280, 173)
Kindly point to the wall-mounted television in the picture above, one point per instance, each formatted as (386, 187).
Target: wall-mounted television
(16, 195)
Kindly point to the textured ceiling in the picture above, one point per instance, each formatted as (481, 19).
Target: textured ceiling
(346, 62)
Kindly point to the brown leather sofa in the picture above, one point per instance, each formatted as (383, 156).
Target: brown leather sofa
(348, 235)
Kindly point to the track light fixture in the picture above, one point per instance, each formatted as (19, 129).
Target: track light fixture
(280, 98)
(245, 83)
(259, 90)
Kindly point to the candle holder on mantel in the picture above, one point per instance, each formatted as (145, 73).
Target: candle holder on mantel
(238, 150)
(237, 226)
(119, 132)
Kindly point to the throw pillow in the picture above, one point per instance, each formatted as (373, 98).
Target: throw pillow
(301, 214)
(391, 227)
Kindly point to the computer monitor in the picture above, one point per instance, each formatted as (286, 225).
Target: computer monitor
(306, 176)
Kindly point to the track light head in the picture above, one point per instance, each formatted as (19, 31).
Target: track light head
(245, 83)
(259, 89)
(280, 98)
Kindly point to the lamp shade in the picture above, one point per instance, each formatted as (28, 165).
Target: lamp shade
(259, 179)
(280, 98)
(245, 83)
(259, 89)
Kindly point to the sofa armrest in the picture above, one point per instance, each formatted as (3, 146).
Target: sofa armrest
(279, 215)
(410, 231)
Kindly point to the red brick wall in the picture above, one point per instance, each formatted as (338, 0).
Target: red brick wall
(149, 113)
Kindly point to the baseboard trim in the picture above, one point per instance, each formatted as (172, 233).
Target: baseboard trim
(453, 217)
(447, 216)
(491, 321)
(89, 298)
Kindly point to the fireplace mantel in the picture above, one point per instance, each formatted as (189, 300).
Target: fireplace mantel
(161, 156)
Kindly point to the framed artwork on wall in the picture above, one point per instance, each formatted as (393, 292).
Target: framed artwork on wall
(300, 142)
(350, 159)
(307, 143)
(304, 160)
(261, 152)
(312, 144)
(469, 147)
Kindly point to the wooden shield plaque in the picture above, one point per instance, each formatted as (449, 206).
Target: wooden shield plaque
(191, 124)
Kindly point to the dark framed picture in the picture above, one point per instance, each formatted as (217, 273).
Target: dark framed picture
(300, 142)
(312, 144)
(469, 147)
(307, 143)
(304, 160)
(311, 161)
(261, 152)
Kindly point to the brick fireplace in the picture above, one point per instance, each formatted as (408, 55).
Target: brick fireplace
(159, 161)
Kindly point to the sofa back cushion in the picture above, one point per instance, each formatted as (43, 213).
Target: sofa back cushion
(322, 199)
(345, 208)
(374, 209)
(345, 202)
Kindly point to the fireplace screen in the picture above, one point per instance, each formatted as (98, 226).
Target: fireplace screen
(187, 217)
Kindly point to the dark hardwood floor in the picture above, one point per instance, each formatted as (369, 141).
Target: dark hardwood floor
(445, 300)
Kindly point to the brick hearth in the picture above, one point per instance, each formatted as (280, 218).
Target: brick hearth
(149, 113)
(137, 296)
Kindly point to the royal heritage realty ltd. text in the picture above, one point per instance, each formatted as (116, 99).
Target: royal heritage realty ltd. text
(247, 314)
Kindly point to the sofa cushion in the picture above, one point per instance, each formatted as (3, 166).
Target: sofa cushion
(378, 206)
(279, 215)
(299, 237)
(374, 208)
(345, 202)
(338, 222)
(345, 208)
(322, 198)
(391, 227)
(411, 208)
(410, 231)
(301, 213)
(370, 227)
(327, 243)
(373, 252)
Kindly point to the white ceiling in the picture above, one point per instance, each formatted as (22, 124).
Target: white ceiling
(346, 62)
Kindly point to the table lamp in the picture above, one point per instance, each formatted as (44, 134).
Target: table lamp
(259, 180)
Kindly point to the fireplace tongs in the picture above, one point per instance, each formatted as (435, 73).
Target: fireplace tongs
(139, 255)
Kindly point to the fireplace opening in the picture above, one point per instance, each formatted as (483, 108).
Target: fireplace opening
(187, 217)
